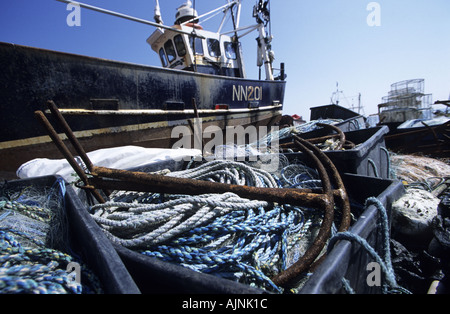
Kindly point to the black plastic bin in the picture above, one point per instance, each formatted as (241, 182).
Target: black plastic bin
(352, 120)
(156, 276)
(86, 239)
(348, 260)
(369, 158)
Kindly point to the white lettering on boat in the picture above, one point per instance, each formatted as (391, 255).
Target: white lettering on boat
(247, 93)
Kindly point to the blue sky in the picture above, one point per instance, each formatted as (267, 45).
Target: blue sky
(321, 42)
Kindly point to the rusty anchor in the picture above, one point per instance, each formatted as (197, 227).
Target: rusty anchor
(333, 191)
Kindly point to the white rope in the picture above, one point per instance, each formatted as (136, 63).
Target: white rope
(151, 224)
(254, 176)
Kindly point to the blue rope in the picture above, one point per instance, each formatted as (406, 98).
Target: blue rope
(384, 229)
(24, 270)
(388, 158)
(254, 250)
(384, 261)
(374, 167)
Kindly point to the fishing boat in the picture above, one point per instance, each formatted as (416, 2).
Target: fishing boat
(111, 103)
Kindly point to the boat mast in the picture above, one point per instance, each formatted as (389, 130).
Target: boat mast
(158, 19)
(265, 54)
(236, 23)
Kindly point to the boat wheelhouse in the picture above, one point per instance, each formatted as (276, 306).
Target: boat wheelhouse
(112, 103)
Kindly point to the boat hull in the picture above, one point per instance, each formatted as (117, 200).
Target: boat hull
(109, 103)
(428, 140)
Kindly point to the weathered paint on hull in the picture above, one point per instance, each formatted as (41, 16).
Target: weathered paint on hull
(151, 135)
(31, 76)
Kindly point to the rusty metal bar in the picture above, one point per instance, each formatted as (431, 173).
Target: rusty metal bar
(66, 152)
(71, 136)
(316, 140)
(349, 145)
(321, 139)
(147, 182)
(286, 277)
(340, 194)
(196, 132)
(194, 105)
(68, 131)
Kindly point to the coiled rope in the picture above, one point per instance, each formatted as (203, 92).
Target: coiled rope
(167, 219)
(221, 234)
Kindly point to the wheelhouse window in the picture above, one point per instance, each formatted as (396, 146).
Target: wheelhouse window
(230, 50)
(170, 51)
(179, 45)
(213, 47)
(196, 45)
(162, 55)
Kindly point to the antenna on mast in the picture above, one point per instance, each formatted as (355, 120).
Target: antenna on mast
(335, 99)
(157, 17)
(265, 54)
(335, 95)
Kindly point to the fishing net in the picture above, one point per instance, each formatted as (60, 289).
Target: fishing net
(420, 242)
(420, 171)
(34, 243)
(36, 212)
(418, 168)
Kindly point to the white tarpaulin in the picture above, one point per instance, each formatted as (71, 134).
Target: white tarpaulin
(124, 157)
(418, 122)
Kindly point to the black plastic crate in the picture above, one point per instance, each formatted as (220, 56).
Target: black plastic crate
(86, 242)
(351, 120)
(156, 276)
(348, 260)
(369, 158)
